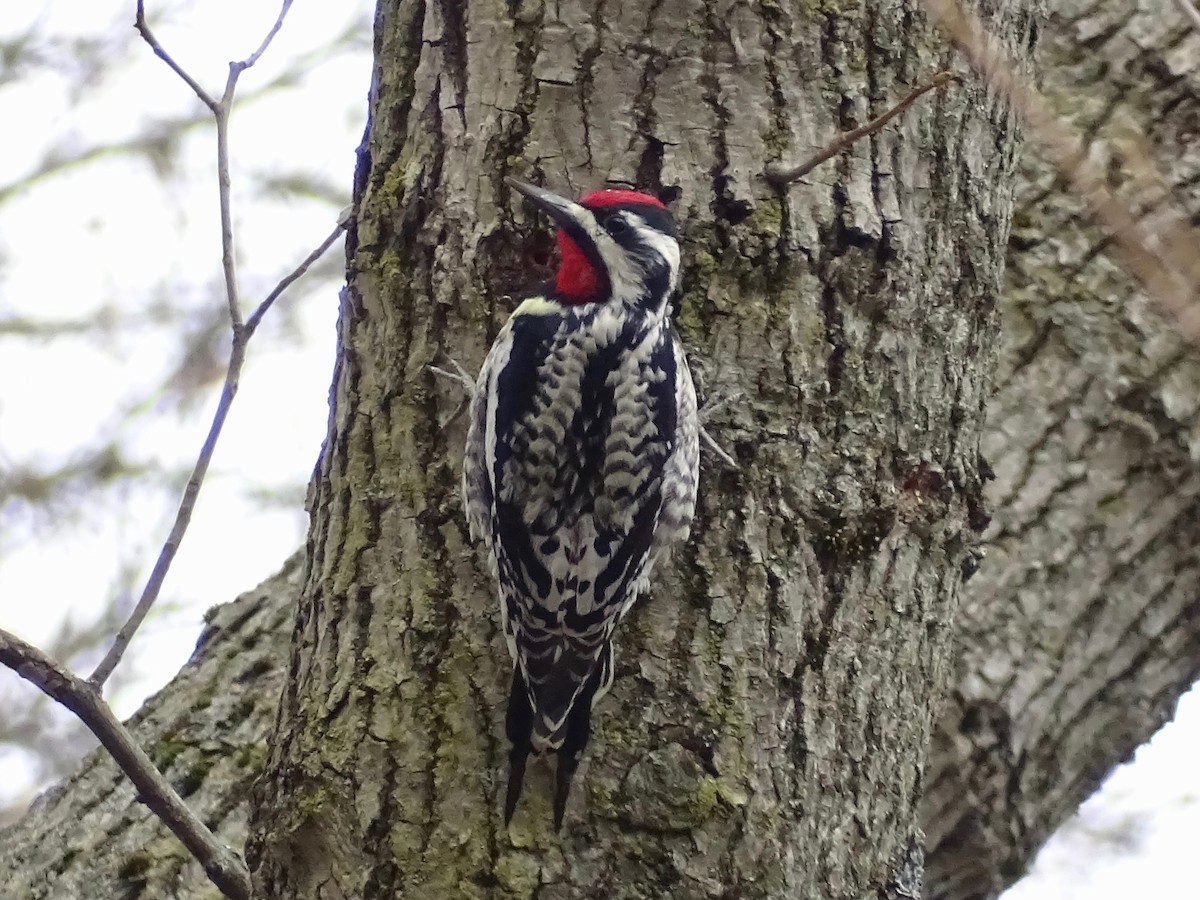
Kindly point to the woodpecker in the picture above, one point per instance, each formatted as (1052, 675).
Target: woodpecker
(581, 462)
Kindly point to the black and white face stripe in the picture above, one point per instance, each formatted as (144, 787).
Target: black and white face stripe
(639, 252)
(633, 248)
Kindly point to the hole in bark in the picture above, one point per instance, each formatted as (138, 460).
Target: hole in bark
(923, 479)
(977, 515)
(515, 261)
(970, 564)
(745, 451)
(733, 211)
(815, 648)
(725, 207)
(668, 194)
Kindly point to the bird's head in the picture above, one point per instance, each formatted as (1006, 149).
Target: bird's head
(615, 245)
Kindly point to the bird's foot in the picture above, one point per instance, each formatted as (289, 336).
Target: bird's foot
(456, 374)
(712, 405)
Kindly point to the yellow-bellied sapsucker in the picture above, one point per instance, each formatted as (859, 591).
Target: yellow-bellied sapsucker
(581, 464)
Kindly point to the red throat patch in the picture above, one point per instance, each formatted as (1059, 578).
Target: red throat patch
(576, 279)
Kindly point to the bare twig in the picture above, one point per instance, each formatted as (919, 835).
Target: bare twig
(711, 406)
(223, 866)
(1170, 277)
(220, 110)
(460, 376)
(781, 176)
(1189, 12)
(266, 42)
(242, 331)
(221, 113)
(144, 30)
(463, 379)
(183, 517)
(296, 274)
(228, 259)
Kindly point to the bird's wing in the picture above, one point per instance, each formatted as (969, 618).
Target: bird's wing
(582, 436)
(683, 467)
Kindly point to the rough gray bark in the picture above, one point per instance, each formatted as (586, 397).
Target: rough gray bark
(1077, 632)
(206, 731)
(767, 733)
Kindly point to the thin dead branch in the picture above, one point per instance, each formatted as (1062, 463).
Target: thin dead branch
(222, 865)
(228, 256)
(266, 42)
(183, 517)
(296, 274)
(781, 176)
(721, 452)
(84, 698)
(242, 331)
(143, 28)
(221, 114)
(220, 110)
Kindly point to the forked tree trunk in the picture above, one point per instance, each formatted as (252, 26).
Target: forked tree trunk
(775, 696)
(1077, 634)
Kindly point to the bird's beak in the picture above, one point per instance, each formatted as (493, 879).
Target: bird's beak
(564, 212)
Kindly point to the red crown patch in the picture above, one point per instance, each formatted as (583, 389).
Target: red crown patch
(608, 197)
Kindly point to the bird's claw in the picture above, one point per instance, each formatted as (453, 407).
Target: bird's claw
(458, 375)
(712, 405)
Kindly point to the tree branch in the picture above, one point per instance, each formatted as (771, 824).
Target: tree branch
(221, 113)
(220, 110)
(266, 42)
(143, 28)
(224, 867)
(183, 517)
(241, 332)
(1164, 262)
(297, 273)
(228, 259)
(781, 176)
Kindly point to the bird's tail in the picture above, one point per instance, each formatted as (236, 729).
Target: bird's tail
(555, 714)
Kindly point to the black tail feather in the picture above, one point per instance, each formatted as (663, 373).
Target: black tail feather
(579, 732)
(519, 727)
(568, 762)
(516, 780)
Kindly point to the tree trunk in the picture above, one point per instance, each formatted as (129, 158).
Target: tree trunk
(1076, 635)
(768, 730)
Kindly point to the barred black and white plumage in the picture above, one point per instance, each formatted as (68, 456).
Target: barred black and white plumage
(581, 464)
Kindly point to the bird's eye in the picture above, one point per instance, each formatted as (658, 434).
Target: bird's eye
(616, 225)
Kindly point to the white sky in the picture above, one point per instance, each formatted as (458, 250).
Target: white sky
(111, 235)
